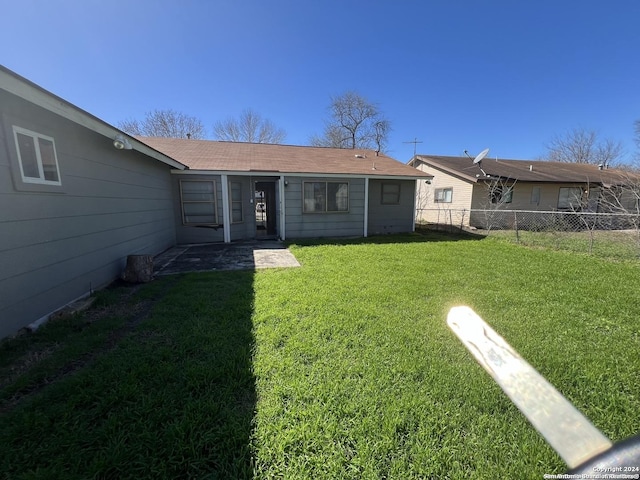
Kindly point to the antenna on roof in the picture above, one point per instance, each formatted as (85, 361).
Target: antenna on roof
(415, 141)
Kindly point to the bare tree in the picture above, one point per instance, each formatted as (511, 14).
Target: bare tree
(636, 139)
(583, 146)
(354, 122)
(499, 195)
(165, 123)
(248, 127)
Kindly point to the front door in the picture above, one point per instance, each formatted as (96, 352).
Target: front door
(266, 208)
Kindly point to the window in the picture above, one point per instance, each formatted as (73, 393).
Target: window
(198, 202)
(535, 195)
(321, 197)
(500, 194)
(443, 195)
(390, 194)
(37, 157)
(235, 192)
(570, 198)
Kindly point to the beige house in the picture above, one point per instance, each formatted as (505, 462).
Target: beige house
(466, 190)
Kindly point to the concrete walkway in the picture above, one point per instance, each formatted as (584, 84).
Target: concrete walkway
(224, 256)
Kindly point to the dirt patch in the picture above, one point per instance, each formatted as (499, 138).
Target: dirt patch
(133, 313)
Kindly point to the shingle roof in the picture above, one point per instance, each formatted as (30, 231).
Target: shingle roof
(524, 170)
(261, 157)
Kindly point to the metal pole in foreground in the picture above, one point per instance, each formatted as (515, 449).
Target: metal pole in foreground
(581, 445)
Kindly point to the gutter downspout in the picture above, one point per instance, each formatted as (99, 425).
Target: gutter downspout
(283, 210)
(365, 232)
(226, 224)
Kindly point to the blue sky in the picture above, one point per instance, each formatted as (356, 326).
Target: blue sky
(456, 75)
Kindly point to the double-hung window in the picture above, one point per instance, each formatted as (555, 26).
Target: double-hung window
(500, 194)
(37, 157)
(443, 195)
(198, 198)
(323, 197)
(570, 198)
(390, 194)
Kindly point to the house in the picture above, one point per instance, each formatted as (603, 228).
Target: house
(79, 196)
(236, 191)
(460, 185)
(73, 205)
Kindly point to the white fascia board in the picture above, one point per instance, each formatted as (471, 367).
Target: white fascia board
(244, 173)
(27, 90)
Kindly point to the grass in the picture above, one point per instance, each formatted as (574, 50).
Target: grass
(343, 368)
(612, 245)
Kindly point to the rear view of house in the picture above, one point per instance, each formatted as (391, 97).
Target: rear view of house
(237, 191)
(79, 196)
(74, 205)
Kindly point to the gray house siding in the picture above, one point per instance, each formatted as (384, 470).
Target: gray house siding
(391, 218)
(58, 243)
(305, 225)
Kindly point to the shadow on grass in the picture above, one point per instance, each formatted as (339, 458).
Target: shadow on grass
(420, 235)
(174, 398)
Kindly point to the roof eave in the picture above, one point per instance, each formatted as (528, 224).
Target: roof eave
(27, 90)
(271, 173)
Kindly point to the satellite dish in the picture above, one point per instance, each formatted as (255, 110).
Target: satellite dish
(480, 156)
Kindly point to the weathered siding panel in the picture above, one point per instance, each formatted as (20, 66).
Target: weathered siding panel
(247, 228)
(391, 218)
(309, 225)
(59, 243)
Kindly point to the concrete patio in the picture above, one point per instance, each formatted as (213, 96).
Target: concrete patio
(249, 255)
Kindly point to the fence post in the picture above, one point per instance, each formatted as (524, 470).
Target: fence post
(515, 225)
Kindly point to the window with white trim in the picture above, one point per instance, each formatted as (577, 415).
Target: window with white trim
(198, 199)
(323, 197)
(390, 194)
(235, 201)
(37, 157)
(443, 195)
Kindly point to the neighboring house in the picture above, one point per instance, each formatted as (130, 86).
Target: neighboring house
(460, 185)
(236, 191)
(79, 196)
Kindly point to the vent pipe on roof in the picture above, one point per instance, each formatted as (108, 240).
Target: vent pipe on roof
(531, 168)
(188, 136)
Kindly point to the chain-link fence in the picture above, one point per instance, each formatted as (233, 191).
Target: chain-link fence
(608, 234)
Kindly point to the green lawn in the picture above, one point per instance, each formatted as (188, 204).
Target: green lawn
(343, 368)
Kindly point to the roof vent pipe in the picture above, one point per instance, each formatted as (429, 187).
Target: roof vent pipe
(599, 166)
(531, 168)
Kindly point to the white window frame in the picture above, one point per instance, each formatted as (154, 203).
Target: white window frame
(440, 195)
(41, 180)
(214, 202)
(326, 198)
